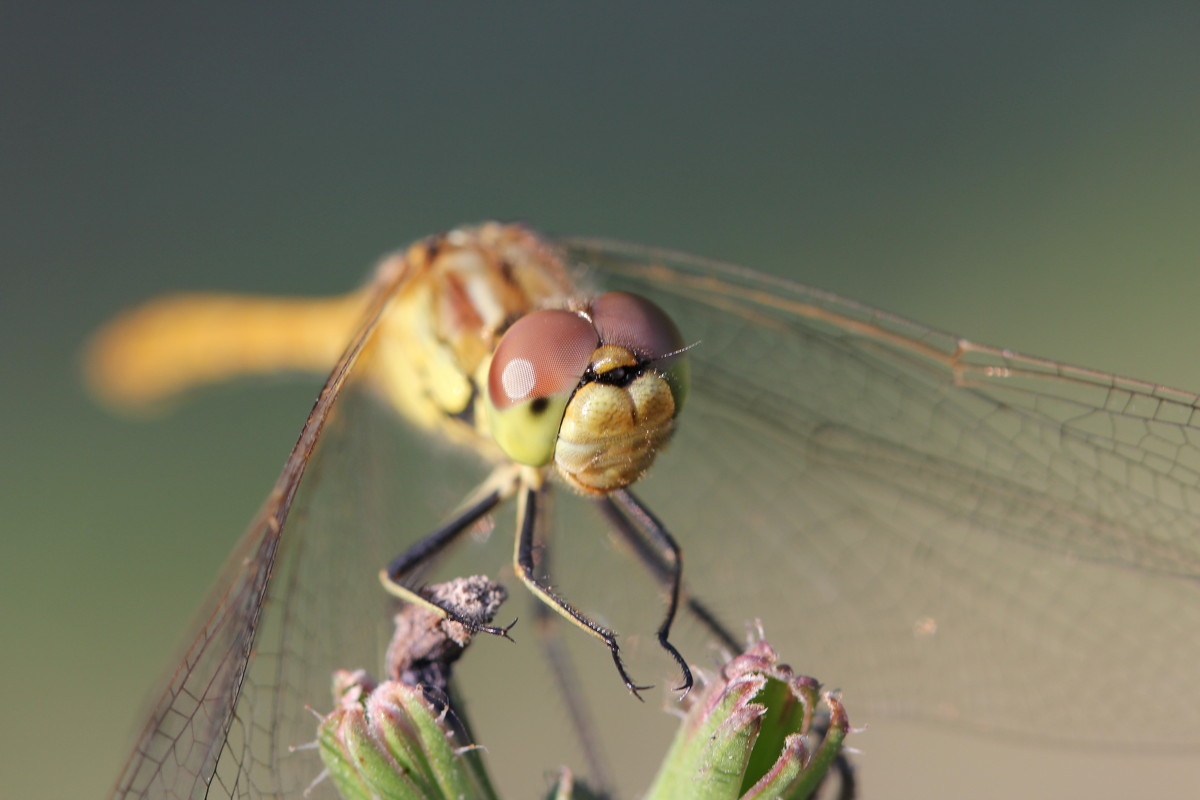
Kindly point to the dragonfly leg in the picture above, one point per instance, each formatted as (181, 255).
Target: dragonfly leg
(532, 489)
(565, 675)
(658, 550)
(499, 486)
(640, 529)
(634, 538)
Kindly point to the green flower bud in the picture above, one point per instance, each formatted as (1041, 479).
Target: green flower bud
(391, 742)
(751, 734)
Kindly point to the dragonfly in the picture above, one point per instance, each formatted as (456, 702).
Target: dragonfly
(949, 531)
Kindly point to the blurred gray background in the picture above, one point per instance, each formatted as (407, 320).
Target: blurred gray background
(1025, 175)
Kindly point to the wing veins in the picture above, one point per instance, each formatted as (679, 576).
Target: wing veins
(226, 603)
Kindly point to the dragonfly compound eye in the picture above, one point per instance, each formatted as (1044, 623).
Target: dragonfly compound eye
(596, 392)
(645, 330)
(537, 365)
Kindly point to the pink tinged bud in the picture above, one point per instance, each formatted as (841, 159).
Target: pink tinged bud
(750, 735)
(393, 743)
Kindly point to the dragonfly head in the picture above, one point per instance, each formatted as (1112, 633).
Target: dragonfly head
(596, 390)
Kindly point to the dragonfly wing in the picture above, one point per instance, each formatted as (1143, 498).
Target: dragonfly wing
(216, 724)
(944, 530)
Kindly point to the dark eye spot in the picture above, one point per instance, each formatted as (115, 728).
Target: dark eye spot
(617, 377)
(538, 405)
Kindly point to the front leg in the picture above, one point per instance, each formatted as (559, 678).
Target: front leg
(532, 489)
(498, 487)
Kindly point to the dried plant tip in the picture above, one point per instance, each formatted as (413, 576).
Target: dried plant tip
(427, 643)
(396, 740)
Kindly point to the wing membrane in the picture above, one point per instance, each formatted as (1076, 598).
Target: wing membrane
(213, 732)
(946, 530)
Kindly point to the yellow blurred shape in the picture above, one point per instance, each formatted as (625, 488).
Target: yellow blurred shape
(170, 344)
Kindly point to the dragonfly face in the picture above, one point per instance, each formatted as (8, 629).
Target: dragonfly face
(946, 531)
(596, 390)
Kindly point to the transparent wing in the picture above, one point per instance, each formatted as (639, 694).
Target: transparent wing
(944, 530)
(225, 721)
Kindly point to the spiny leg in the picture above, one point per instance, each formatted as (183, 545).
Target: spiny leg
(669, 570)
(565, 676)
(532, 488)
(635, 537)
(646, 553)
(498, 487)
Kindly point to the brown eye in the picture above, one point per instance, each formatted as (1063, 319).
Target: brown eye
(636, 324)
(543, 354)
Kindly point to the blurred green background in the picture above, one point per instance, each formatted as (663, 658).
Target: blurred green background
(1028, 176)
